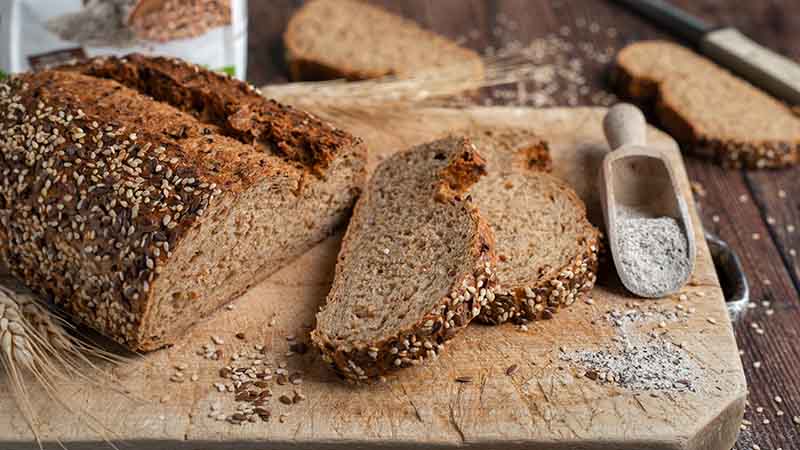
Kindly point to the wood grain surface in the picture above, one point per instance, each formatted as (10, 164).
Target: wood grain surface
(771, 261)
(546, 402)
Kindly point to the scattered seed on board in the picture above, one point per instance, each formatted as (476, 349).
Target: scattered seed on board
(711, 320)
(512, 369)
(464, 379)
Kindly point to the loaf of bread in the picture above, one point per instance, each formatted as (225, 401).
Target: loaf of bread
(546, 248)
(707, 108)
(416, 264)
(140, 195)
(328, 39)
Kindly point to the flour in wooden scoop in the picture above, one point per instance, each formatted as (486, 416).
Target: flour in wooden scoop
(653, 251)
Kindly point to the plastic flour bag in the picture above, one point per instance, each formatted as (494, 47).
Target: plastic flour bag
(35, 34)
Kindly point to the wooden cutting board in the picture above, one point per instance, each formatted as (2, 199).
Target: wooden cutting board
(549, 401)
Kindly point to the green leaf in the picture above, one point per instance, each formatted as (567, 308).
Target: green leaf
(230, 70)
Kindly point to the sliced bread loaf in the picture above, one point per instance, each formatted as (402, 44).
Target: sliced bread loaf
(706, 107)
(546, 247)
(139, 218)
(351, 39)
(415, 265)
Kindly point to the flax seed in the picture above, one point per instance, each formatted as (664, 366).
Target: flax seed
(512, 369)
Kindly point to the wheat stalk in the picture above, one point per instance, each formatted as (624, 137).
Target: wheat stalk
(36, 346)
(391, 91)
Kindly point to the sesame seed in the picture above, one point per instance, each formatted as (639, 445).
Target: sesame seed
(711, 320)
(743, 198)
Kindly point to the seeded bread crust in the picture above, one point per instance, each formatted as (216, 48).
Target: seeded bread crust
(102, 187)
(469, 292)
(375, 37)
(511, 152)
(543, 299)
(657, 74)
(235, 106)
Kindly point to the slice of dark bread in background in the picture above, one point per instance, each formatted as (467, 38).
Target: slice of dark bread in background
(329, 39)
(415, 265)
(706, 107)
(546, 247)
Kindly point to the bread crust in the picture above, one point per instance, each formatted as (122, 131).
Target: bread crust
(549, 294)
(654, 95)
(425, 339)
(236, 107)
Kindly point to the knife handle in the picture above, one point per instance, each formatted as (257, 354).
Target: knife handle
(766, 69)
(675, 20)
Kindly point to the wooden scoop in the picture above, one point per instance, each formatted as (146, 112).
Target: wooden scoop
(639, 181)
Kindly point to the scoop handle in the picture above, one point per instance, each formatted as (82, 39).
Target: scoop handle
(623, 125)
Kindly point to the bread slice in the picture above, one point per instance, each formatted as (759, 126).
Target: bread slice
(706, 107)
(415, 266)
(329, 39)
(546, 247)
(139, 218)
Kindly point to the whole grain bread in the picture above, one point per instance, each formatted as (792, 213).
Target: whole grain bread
(706, 107)
(328, 39)
(415, 266)
(545, 245)
(139, 218)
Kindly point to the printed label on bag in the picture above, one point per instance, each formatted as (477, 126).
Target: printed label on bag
(56, 58)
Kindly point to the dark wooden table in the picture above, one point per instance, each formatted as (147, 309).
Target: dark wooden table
(756, 212)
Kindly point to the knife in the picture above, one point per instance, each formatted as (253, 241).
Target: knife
(728, 47)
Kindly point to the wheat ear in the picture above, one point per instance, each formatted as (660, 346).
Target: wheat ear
(423, 86)
(35, 346)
